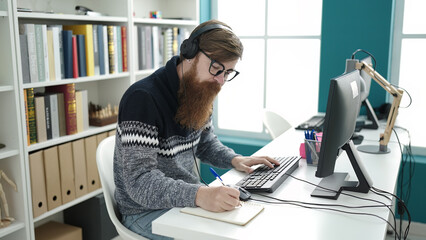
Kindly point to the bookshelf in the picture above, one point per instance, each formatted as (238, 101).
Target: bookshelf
(101, 89)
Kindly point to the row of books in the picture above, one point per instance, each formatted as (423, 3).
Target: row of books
(59, 111)
(62, 173)
(54, 52)
(155, 45)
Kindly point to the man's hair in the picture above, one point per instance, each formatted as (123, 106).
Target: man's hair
(222, 44)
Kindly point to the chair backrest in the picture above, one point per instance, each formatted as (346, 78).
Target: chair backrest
(105, 162)
(275, 123)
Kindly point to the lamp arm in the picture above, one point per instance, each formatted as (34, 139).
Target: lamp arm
(397, 96)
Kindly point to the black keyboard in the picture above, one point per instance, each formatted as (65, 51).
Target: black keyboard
(265, 179)
(314, 122)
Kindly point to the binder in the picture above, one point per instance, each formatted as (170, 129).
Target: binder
(79, 158)
(38, 184)
(52, 177)
(66, 167)
(93, 181)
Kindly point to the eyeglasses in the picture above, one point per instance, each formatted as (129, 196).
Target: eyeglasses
(216, 68)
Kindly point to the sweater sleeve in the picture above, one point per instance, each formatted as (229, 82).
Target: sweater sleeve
(210, 150)
(140, 183)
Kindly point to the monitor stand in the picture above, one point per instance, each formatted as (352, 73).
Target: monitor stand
(336, 182)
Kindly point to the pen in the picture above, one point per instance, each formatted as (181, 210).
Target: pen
(217, 176)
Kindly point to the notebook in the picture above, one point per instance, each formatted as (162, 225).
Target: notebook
(240, 216)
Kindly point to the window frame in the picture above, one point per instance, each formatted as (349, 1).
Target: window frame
(264, 135)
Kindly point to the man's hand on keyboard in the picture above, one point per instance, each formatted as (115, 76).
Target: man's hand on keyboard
(244, 163)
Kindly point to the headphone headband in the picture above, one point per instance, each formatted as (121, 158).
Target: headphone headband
(189, 47)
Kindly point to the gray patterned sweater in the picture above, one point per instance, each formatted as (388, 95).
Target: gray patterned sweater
(153, 162)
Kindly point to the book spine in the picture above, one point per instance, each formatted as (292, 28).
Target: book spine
(124, 47)
(111, 51)
(57, 52)
(81, 53)
(61, 51)
(31, 116)
(74, 57)
(79, 112)
(106, 55)
(40, 117)
(101, 49)
(23, 43)
(61, 114)
(48, 116)
(50, 54)
(54, 115)
(68, 53)
(136, 47)
(40, 52)
(117, 39)
(29, 30)
(87, 31)
(45, 52)
(95, 50)
(27, 126)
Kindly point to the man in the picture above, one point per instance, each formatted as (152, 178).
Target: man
(164, 120)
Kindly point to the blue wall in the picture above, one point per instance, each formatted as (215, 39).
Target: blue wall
(346, 27)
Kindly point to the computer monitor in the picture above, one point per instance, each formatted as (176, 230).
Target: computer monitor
(365, 91)
(340, 119)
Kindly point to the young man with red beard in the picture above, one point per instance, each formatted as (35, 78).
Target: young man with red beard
(164, 119)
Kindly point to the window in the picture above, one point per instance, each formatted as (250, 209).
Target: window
(408, 60)
(280, 64)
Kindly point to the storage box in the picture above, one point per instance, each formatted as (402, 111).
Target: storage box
(92, 216)
(58, 231)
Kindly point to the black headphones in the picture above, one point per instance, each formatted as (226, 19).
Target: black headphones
(189, 47)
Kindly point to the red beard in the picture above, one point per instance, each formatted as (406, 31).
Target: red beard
(195, 100)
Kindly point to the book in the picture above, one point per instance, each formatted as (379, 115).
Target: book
(87, 31)
(95, 49)
(239, 216)
(101, 49)
(40, 52)
(32, 126)
(56, 35)
(45, 52)
(61, 114)
(53, 98)
(74, 57)
(135, 47)
(124, 47)
(40, 118)
(51, 60)
(106, 55)
(111, 50)
(118, 47)
(27, 124)
(116, 50)
(48, 116)
(67, 52)
(81, 126)
(69, 105)
(29, 30)
(81, 55)
(25, 65)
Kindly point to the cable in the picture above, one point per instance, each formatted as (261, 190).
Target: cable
(196, 165)
(350, 195)
(307, 205)
(371, 55)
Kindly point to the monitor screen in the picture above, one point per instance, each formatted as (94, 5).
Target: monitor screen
(343, 105)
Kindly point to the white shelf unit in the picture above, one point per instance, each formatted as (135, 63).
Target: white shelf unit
(103, 89)
(12, 155)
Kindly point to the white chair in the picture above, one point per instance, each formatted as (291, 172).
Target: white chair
(104, 160)
(275, 123)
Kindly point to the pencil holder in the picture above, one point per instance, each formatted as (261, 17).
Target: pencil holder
(312, 150)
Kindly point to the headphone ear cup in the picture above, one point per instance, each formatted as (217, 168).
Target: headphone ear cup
(189, 49)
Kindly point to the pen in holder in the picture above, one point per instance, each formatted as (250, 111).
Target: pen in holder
(312, 150)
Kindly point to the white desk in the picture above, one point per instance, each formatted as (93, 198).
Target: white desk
(278, 221)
